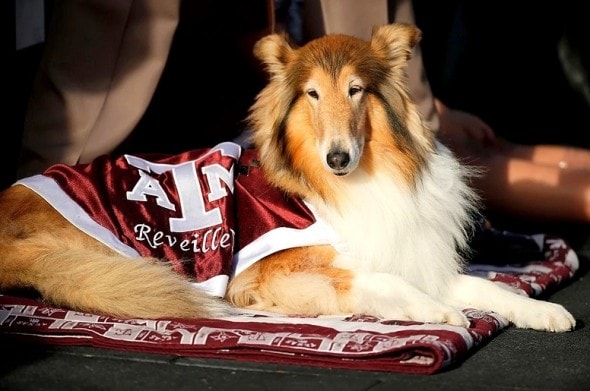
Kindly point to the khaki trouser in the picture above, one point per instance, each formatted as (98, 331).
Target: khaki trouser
(100, 67)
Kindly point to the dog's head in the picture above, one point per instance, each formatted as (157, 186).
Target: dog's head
(326, 100)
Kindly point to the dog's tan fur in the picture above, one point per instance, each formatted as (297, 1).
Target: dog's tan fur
(40, 249)
(335, 126)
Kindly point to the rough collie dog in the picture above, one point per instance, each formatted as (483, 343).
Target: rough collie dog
(386, 209)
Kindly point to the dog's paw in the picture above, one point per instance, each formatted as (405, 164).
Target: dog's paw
(392, 297)
(428, 311)
(544, 316)
(438, 313)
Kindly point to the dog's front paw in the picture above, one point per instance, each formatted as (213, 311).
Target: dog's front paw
(427, 311)
(435, 312)
(544, 316)
(392, 297)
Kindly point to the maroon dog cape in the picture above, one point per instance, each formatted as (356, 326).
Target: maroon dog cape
(209, 212)
(355, 342)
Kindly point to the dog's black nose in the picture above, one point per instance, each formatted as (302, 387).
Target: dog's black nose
(337, 160)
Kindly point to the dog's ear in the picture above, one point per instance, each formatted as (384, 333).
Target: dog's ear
(395, 42)
(275, 52)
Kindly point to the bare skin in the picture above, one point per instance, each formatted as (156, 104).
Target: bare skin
(540, 182)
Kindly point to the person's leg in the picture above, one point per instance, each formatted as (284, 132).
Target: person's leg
(535, 191)
(562, 156)
(142, 56)
(101, 63)
(351, 17)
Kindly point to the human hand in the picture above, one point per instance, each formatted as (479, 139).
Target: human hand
(461, 122)
(466, 134)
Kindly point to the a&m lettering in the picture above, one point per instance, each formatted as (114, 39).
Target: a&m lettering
(194, 215)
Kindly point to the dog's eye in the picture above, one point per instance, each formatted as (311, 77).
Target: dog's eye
(352, 91)
(312, 94)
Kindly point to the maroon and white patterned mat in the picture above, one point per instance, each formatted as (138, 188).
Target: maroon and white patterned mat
(356, 342)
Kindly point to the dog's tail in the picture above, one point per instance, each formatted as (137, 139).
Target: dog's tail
(94, 282)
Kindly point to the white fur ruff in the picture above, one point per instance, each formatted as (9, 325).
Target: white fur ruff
(412, 233)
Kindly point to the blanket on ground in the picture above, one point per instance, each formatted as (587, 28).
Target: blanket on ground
(355, 341)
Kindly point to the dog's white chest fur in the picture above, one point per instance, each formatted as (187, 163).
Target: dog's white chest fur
(411, 232)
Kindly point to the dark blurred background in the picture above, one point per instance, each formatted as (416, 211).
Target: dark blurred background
(522, 69)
